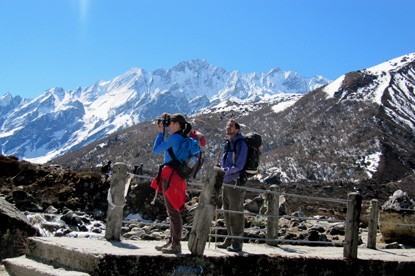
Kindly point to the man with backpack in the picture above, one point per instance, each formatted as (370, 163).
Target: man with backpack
(233, 163)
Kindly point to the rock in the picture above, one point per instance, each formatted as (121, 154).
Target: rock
(398, 201)
(25, 201)
(254, 205)
(337, 229)
(139, 200)
(325, 212)
(51, 210)
(14, 229)
(298, 216)
(71, 219)
(34, 187)
(323, 238)
(134, 235)
(318, 227)
(396, 219)
(302, 226)
(96, 230)
(290, 236)
(328, 188)
(393, 245)
(61, 233)
(313, 235)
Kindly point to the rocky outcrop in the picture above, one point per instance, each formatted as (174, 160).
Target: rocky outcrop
(397, 219)
(14, 229)
(33, 187)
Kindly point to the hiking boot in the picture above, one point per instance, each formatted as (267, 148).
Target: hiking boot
(233, 249)
(160, 247)
(172, 249)
(224, 245)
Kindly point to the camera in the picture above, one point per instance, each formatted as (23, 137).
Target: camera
(165, 120)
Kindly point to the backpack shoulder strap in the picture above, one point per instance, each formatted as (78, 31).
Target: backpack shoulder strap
(235, 143)
(171, 153)
(170, 150)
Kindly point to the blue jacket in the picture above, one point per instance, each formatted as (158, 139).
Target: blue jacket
(174, 141)
(233, 165)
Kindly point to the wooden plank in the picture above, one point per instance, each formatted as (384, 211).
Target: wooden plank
(351, 238)
(205, 211)
(373, 224)
(273, 213)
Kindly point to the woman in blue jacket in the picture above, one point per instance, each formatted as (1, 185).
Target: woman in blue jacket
(168, 182)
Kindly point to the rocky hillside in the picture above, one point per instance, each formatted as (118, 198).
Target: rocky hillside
(33, 187)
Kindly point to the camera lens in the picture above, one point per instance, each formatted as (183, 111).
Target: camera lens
(166, 121)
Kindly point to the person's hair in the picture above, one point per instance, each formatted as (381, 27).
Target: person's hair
(237, 126)
(185, 126)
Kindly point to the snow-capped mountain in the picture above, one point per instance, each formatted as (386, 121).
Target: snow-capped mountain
(59, 121)
(358, 129)
(390, 85)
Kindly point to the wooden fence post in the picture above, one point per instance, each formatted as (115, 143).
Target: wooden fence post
(373, 224)
(273, 210)
(119, 183)
(354, 206)
(205, 212)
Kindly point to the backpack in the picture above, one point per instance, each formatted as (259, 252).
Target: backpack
(200, 137)
(254, 142)
(186, 161)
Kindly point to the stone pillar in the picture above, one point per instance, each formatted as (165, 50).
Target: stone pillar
(120, 181)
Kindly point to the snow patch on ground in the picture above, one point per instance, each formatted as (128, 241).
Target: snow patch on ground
(371, 163)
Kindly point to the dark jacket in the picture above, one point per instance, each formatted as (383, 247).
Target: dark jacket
(234, 158)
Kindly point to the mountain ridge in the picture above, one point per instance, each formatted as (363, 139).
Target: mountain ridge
(59, 121)
(337, 133)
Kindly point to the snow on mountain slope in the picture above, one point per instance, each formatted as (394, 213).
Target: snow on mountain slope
(59, 121)
(279, 102)
(389, 84)
(355, 130)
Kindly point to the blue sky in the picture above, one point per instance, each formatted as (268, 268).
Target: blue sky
(72, 43)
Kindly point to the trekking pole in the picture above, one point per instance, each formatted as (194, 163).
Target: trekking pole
(142, 176)
(219, 158)
(216, 226)
(154, 199)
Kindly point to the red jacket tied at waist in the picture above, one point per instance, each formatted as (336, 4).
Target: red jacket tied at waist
(176, 191)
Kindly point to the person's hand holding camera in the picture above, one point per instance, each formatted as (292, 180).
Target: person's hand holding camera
(163, 121)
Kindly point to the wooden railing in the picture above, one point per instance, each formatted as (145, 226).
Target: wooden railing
(209, 196)
(207, 203)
